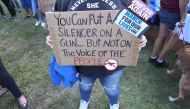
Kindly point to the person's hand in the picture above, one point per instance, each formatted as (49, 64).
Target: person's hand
(178, 29)
(49, 41)
(142, 42)
(182, 21)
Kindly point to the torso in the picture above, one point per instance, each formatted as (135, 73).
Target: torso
(83, 5)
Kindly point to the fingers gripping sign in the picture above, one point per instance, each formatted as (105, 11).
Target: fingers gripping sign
(49, 41)
(142, 42)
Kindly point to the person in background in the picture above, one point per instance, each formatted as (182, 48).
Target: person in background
(2, 12)
(37, 13)
(10, 8)
(171, 12)
(27, 6)
(8, 82)
(16, 5)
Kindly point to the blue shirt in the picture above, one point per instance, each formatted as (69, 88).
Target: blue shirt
(188, 8)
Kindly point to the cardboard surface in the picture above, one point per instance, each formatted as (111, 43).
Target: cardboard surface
(91, 38)
(47, 5)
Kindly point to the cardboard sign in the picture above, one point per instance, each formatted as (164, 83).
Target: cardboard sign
(131, 23)
(141, 9)
(91, 38)
(47, 5)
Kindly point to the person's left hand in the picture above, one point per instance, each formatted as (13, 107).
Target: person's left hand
(178, 28)
(142, 42)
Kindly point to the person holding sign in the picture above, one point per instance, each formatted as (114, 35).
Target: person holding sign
(171, 12)
(89, 74)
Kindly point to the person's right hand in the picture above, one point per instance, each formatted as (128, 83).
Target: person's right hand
(49, 41)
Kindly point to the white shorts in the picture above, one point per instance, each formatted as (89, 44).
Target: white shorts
(186, 31)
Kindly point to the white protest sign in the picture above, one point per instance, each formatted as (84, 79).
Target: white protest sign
(131, 23)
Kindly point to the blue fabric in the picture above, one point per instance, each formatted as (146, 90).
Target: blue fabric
(65, 75)
(26, 4)
(169, 18)
(155, 6)
(34, 6)
(188, 8)
(110, 84)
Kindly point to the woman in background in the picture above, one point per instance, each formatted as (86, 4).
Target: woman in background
(8, 82)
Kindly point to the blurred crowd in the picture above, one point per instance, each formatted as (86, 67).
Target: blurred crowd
(14, 7)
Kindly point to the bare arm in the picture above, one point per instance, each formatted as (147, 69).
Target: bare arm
(183, 9)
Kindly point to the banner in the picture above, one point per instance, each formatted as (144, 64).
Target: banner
(141, 10)
(131, 23)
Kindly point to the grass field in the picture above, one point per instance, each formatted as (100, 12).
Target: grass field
(26, 56)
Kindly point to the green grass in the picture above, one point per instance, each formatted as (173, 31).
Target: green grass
(26, 56)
